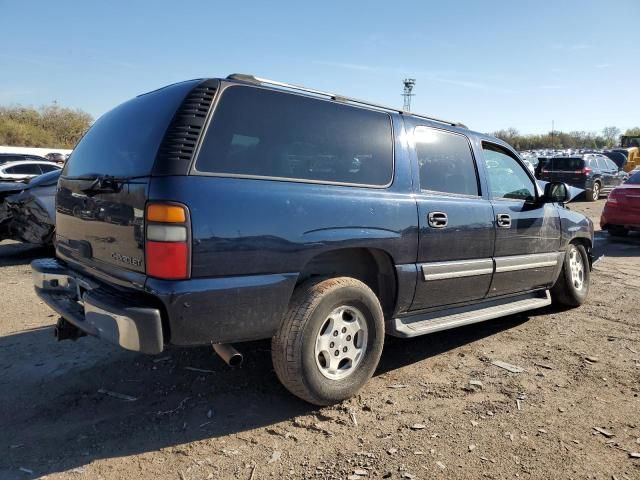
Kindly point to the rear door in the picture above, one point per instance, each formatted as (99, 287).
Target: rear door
(456, 237)
(527, 231)
(100, 227)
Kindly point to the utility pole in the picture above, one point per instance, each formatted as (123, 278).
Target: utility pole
(408, 88)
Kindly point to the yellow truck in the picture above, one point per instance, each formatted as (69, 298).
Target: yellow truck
(630, 146)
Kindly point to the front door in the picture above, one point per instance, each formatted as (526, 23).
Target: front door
(527, 231)
(456, 239)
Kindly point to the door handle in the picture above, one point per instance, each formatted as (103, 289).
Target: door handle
(503, 220)
(438, 219)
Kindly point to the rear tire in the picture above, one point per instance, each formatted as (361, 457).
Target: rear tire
(572, 287)
(330, 341)
(616, 231)
(594, 193)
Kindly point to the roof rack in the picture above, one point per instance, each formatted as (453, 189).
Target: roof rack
(339, 98)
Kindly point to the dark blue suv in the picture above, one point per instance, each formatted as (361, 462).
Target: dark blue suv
(220, 211)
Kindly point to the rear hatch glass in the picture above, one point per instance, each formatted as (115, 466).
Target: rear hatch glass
(101, 222)
(564, 169)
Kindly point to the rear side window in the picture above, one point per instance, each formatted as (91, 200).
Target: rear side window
(445, 162)
(24, 170)
(263, 133)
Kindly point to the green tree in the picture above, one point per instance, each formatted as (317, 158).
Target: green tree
(49, 126)
(633, 132)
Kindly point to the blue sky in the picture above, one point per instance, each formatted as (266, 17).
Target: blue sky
(490, 64)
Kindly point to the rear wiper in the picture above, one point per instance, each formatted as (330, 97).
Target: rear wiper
(103, 183)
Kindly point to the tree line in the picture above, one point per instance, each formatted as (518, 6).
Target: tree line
(607, 138)
(59, 127)
(48, 126)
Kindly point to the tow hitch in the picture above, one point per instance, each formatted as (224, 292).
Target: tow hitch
(67, 331)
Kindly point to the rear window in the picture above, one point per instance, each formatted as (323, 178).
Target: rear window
(565, 164)
(125, 140)
(263, 133)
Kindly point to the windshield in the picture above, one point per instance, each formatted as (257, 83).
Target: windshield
(124, 141)
(628, 142)
(634, 179)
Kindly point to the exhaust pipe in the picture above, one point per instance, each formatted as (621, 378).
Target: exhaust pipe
(230, 355)
(67, 331)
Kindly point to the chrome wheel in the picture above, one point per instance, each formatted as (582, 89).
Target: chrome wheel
(577, 268)
(341, 343)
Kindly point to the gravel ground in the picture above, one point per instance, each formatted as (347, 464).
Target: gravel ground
(436, 408)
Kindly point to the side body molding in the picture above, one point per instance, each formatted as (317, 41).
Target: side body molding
(488, 266)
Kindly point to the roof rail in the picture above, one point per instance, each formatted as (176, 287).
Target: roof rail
(339, 98)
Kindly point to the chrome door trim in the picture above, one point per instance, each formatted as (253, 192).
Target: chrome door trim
(457, 269)
(488, 266)
(526, 262)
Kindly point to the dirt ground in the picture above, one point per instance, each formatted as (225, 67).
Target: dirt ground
(186, 415)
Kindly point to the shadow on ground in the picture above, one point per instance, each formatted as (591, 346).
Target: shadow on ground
(53, 416)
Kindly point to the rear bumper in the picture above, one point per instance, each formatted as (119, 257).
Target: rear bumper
(99, 311)
(619, 217)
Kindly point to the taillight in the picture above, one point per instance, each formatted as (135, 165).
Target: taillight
(167, 245)
(614, 196)
(585, 170)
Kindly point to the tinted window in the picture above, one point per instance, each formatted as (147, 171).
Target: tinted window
(125, 140)
(24, 170)
(507, 177)
(274, 134)
(566, 164)
(445, 162)
(11, 158)
(48, 168)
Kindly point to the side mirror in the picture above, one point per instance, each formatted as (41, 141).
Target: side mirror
(556, 192)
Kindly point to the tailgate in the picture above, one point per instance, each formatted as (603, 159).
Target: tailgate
(106, 227)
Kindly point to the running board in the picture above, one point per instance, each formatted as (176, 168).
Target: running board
(432, 322)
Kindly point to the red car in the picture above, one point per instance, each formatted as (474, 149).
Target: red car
(622, 211)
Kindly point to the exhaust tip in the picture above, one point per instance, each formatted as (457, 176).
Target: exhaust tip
(228, 354)
(236, 360)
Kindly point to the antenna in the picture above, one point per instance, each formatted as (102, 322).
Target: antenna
(408, 88)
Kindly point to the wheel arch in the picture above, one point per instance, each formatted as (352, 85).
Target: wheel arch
(372, 266)
(588, 246)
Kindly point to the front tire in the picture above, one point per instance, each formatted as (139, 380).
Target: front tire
(330, 341)
(572, 287)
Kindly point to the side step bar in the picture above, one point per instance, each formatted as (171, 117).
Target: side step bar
(432, 322)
